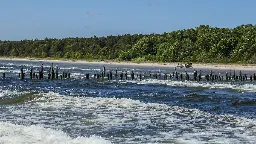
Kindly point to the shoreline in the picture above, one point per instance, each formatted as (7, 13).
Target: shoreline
(248, 67)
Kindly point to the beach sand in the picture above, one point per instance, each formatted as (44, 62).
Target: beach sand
(245, 67)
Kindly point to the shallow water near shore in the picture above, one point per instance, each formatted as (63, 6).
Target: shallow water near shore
(78, 110)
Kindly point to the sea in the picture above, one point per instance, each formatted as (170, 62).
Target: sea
(101, 111)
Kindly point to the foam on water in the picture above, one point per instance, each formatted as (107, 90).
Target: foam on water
(9, 64)
(4, 93)
(227, 85)
(5, 67)
(90, 69)
(13, 134)
(167, 124)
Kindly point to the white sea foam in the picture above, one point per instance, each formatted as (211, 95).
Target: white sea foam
(14, 134)
(4, 71)
(4, 93)
(90, 69)
(180, 125)
(243, 87)
(5, 67)
(10, 64)
(83, 69)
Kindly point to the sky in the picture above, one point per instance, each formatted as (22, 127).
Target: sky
(38, 19)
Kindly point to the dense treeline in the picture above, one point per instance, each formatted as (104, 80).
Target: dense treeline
(201, 44)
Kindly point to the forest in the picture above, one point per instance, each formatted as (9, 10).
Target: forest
(203, 44)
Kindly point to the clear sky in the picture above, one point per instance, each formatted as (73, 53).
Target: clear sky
(30, 19)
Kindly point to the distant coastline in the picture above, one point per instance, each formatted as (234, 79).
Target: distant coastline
(202, 44)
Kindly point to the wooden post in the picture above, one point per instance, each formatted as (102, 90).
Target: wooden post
(22, 74)
(116, 74)
(87, 76)
(49, 75)
(110, 75)
(3, 75)
(34, 75)
(104, 71)
(126, 75)
(200, 76)
(68, 75)
(52, 73)
(41, 72)
(165, 76)
(132, 75)
(57, 73)
(31, 73)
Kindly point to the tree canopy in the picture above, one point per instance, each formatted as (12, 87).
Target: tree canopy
(200, 44)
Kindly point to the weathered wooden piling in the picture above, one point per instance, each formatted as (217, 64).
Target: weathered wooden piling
(200, 76)
(52, 73)
(87, 76)
(126, 76)
(69, 75)
(176, 76)
(49, 75)
(121, 75)
(34, 75)
(187, 76)
(155, 75)
(116, 74)
(104, 71)
(3, 75)
(108, 76)
(41, 73)
(31, 73)
(57, 72)
(165, 76)
(111, 75)
(196, 75)
(102, 75)
(22, 74)
(132, 75)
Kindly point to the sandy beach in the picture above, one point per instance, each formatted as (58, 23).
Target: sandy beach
(246, 67)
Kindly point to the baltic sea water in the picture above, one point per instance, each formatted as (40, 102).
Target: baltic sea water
(78, 110)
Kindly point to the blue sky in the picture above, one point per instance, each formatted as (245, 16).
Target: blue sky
(30, 19)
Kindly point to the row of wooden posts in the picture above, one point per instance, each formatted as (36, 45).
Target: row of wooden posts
(196, 76)
(182, 76)
(53, 74)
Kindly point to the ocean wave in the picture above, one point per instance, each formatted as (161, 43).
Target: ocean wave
(130, 121)
(220, 85)
(13, 134)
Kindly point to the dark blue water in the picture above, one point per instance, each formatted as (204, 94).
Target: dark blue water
(124, 111)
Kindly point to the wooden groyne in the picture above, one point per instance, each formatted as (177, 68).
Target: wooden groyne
(42, 74)
(55, 73)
